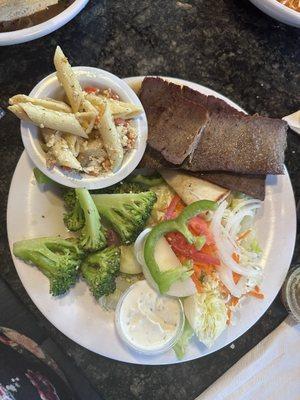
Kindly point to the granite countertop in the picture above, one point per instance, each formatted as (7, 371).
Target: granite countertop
(227, 45)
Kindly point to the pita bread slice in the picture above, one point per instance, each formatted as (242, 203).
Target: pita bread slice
(14, 9)
(191, 189)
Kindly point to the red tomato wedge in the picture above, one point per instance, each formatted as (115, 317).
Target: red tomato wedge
(181, 247)
(90, 89)
(198, 226)
(170, 213)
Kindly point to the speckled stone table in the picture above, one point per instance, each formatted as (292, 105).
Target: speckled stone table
(227, 45)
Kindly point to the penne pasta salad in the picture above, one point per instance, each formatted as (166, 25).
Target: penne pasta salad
(90, 132)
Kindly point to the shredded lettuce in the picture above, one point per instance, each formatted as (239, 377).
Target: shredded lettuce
(237, 198)
(255, 247)
(207, 315)
(183, 342)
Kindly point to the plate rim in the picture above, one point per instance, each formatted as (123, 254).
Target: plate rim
(193, 357)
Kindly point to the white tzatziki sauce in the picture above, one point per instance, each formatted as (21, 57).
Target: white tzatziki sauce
(147, 320)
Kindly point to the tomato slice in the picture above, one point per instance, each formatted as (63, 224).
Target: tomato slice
(172, 207)
(198, 226)
(181, 247)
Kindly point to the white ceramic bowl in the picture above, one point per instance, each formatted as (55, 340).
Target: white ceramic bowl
(37, 31)
(87, 76)
(278, 11)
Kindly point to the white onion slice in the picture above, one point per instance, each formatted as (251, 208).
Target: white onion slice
(224, 246)
(245, 203)
(234, 222)
(225, 275)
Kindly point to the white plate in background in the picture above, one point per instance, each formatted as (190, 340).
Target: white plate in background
(278, 11)
(39, 30)
(78, 315)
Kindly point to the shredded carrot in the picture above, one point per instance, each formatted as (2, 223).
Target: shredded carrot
(229, 316)
(196, 282)
(234, 301)
(256, 293)
(205, 268)
(236, 277)
(244, 234)
(236, 257)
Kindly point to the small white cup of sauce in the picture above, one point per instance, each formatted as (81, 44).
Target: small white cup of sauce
(148, 322)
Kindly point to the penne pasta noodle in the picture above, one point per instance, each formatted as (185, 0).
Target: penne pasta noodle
(64, 156)
(68, 80)
(73, 143)
(88, 106)
(111, 139)
(45, 118)
(51, 104)
(87, 120)
(119, 109)
(19, 112)
(98, 103)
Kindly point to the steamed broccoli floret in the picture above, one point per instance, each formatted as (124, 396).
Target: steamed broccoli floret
(126, 212)
(123, 187)
(70, 199)
(57, 258)
(92, 237)
(130, 187)
(147, 180)
(74, 218)
(100, 271)
(41, 178)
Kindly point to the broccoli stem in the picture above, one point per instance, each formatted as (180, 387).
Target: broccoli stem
(92, 238)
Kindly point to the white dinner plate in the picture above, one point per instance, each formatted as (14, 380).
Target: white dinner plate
(33, 212)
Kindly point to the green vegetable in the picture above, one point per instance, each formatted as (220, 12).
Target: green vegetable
(70, 199)
(123, 187)
(182, 343)
(200, 242)
(130, 187)
(74, 218)
(237, 198)
(255, 247)
(100, 271)
(57, 258)
(92, 237)
(149, 181)
(41, 178)
(126, 212)
(123, 282)
(164, 279)
(207, 315)
(129, 263)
